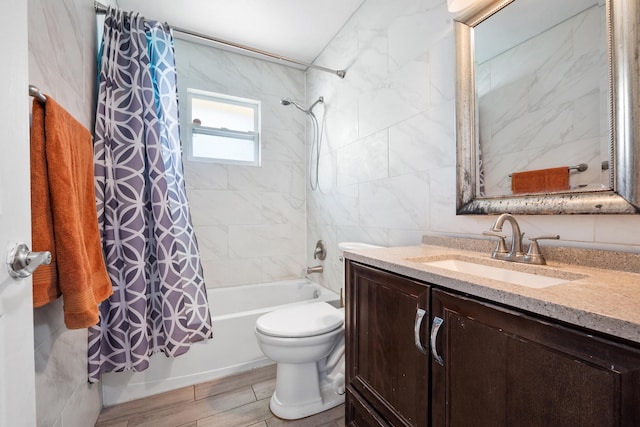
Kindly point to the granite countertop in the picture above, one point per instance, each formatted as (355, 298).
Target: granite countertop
(601, 299)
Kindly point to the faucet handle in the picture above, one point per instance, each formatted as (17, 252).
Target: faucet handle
(534, 240)
(501, 247)
(533, 255)
(320, 251)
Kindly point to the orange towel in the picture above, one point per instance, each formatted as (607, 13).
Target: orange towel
(45, 278)
(542, 180)
(64, 218)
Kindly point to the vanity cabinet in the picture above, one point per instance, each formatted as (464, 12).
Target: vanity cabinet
(502, 367)
(387, 373)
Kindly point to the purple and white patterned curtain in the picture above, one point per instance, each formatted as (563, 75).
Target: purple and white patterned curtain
(159, 303)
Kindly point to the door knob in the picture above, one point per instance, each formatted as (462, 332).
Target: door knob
(21, 262)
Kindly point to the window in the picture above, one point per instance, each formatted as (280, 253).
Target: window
(223, 128)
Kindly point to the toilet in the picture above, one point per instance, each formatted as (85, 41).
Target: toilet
(307, 344)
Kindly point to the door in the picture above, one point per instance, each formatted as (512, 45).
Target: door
(17, 372)
(501, 367)
(387, 362)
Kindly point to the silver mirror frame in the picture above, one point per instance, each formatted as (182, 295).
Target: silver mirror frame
(623, 17)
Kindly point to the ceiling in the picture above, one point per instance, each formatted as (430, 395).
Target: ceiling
(297, 29)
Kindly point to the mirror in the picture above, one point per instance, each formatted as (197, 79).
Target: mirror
(542, 88)
(549, 89)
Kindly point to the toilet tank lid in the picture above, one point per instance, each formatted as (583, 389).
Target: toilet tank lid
(349, 246)
(305, 320)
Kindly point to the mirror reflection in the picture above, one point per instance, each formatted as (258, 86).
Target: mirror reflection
(542, 99)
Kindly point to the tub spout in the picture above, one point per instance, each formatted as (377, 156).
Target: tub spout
(316, 269)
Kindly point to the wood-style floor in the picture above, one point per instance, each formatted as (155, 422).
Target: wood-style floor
(240, 400)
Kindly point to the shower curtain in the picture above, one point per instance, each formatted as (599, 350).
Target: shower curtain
(159, 302)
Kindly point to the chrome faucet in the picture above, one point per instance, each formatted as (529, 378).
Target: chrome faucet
(316, 269)
(320, 252)
(500, 252)
(533, 255)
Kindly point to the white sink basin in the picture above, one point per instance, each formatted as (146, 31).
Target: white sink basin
(515, 277)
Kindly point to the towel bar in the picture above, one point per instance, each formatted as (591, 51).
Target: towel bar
(578, 168)
(35, 92)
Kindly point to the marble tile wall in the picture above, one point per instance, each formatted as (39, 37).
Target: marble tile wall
(387, 168)
(553, 87)
(62, 63)
(249, 221)
(388, 127)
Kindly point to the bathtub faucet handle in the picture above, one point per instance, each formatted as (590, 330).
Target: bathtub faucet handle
(320, 252)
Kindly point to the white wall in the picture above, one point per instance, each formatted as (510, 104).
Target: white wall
(249, 221)
(62, 63)
(388, 163)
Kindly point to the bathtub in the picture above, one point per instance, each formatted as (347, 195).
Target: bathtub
(233, 349)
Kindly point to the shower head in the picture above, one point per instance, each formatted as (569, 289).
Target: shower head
(317, 136)
(289, 101)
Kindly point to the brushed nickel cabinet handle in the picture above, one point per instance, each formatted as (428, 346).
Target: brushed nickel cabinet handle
(416, 330)
(435, 327)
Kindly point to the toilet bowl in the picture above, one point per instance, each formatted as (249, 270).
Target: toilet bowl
(307, 344)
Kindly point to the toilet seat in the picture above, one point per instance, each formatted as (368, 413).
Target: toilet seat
(305, 320)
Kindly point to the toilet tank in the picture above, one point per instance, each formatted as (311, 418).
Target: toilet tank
(348, 246)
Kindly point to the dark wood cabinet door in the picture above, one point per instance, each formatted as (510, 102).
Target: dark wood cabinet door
(504, 368)
(359, 413)
(384, 365)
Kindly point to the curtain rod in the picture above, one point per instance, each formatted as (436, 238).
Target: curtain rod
(102, 9)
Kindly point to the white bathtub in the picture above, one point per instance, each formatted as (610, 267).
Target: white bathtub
(233, 348)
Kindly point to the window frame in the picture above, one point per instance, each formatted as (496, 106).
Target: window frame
(192, 129)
